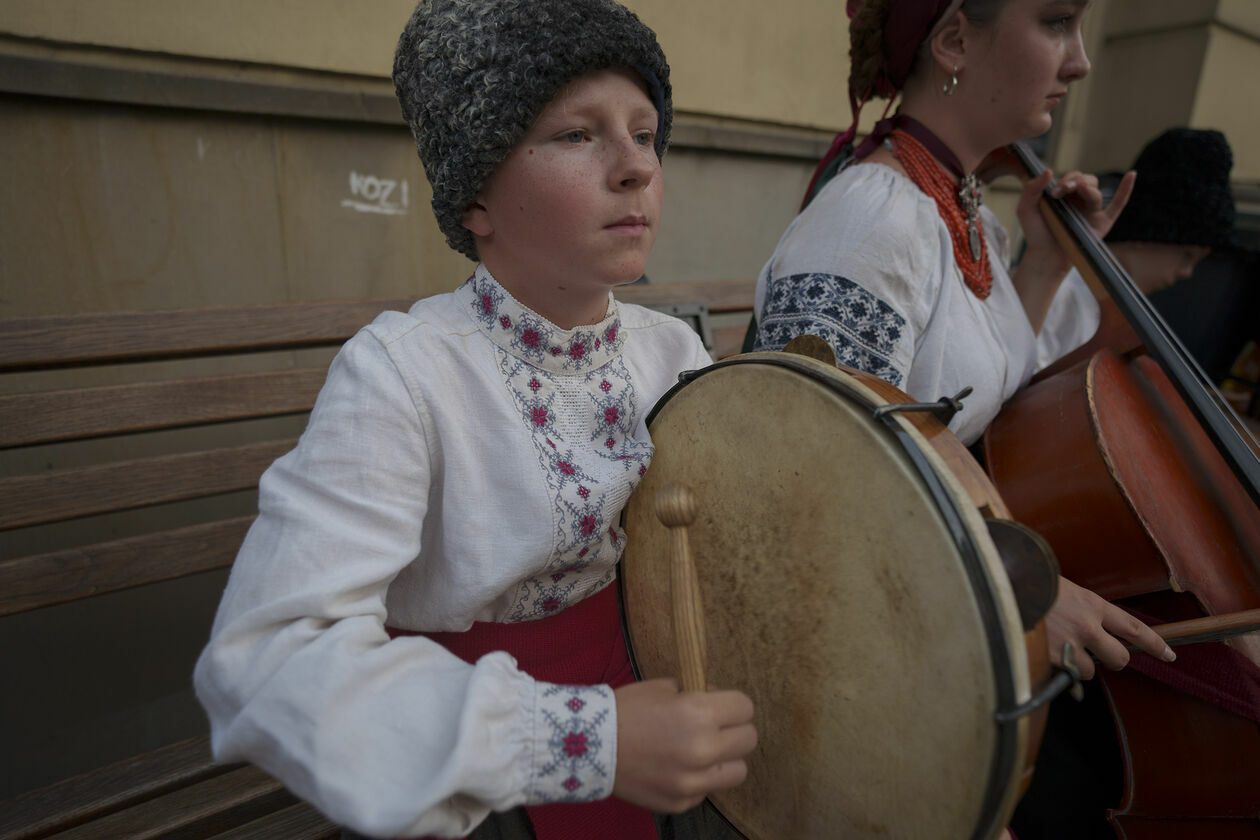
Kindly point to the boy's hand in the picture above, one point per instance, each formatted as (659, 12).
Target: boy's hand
(1096, 626)
(673, 748)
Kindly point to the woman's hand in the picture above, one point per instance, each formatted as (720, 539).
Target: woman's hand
(1045, 263)
(675, 748)
(1098, 627)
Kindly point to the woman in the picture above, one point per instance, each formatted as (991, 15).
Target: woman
(882, 261)
(896, 263)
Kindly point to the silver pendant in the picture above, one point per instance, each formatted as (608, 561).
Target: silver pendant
(969, 197)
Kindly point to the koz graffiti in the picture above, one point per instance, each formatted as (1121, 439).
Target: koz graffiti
(377, 195)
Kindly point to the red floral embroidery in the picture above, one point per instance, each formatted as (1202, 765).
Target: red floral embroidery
(557, 577)
(588, 524)
(571, 784)
(642, 470)
(530, 337)
(556, 351)
(611, 334)
(575, 743)
(577, 350)
(534, 385)
(566, 468)
(576, 704)
(487, 304)
(605, 386)
(505, 322)
(582, 553)
(612, 533)
(539, 416)
(551, 604)
(610, 443)
(583, 492)
(611, 414)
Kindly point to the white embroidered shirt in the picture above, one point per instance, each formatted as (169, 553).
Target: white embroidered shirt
(465, 461)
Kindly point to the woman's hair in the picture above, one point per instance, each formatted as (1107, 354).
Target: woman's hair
(866, 41)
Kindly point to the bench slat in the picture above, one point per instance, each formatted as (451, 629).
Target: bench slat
(74, 801)
(42, 498)
(102, 338)
(77, 414)
(297, 822)
(717, 295)
(205, 808)
(44, 580)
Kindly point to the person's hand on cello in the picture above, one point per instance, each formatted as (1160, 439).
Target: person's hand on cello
(1045, 263)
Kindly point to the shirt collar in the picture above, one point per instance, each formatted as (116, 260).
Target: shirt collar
(532, 338)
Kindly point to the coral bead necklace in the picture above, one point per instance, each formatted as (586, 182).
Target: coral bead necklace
(958, 205)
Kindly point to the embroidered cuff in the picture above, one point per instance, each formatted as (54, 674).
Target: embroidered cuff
(575, 744)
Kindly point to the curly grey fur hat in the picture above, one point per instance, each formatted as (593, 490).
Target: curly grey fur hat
(473, 75)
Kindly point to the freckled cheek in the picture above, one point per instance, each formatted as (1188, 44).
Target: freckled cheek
(556, 208)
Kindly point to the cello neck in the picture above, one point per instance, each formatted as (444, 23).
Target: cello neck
(1095, 261)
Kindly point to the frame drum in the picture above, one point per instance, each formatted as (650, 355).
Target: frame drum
(851, 589)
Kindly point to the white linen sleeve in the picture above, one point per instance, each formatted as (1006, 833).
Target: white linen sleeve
(1071, 321)
(857, 269)
(391, 738)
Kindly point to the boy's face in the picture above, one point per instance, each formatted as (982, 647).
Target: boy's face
(574, 208)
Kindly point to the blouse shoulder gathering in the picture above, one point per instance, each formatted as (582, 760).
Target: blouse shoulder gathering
(861, 266)
(873, 225)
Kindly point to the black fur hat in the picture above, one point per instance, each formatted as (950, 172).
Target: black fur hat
(1182, 194)
(473, 75)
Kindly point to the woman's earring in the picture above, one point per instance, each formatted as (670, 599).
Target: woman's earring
(949, 87)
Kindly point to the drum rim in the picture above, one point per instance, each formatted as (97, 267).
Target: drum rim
(1005, 756)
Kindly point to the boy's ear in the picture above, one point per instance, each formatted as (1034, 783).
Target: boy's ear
(477, 219)
(949, 44)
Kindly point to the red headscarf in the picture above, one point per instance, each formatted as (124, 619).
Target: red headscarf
(909, 24)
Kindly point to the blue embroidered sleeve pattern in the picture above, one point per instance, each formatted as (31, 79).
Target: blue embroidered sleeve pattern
(862, 329)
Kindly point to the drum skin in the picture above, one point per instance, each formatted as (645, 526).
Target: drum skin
(836, 596)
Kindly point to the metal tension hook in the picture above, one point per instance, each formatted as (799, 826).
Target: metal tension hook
(943, 409)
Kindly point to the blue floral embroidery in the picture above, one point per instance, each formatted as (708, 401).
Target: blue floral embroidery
(576, 767)
(861, 328)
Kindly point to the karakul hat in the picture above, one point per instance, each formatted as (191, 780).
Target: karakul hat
(473, 75)
(1182, 194)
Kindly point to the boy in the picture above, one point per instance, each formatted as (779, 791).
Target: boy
(420, 629)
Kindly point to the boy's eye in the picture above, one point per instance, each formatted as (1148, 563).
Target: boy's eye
(577, 135)
(645, 138)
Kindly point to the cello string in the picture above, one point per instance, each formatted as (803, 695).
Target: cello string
(1217, 418)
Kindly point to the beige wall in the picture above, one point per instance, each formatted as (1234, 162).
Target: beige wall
(271, 180)
(1165, 63)
(737, 58)
(135, 188)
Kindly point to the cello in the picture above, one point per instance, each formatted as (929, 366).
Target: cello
(1147, 486)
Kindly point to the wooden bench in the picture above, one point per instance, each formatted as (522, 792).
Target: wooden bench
(203, 383)
(718, 309)
(209, 447)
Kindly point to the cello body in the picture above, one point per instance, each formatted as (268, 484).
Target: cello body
(1105, 458)
(1136, 521)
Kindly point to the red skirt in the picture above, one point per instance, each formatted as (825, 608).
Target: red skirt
(582, 645)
